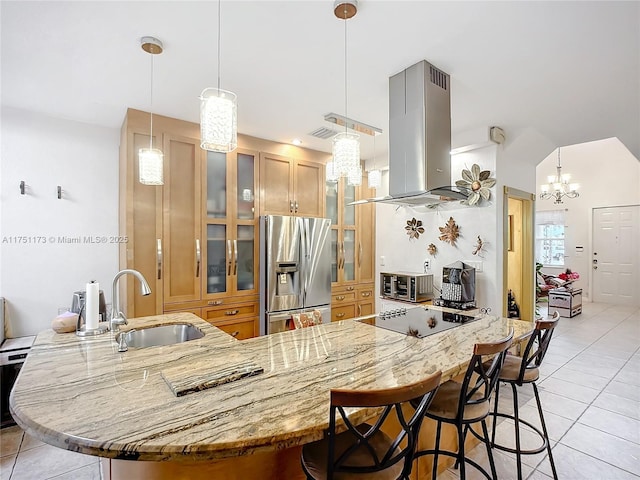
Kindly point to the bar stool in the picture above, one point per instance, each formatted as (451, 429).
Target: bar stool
(364, 451)
(520, 370)
(463, 404)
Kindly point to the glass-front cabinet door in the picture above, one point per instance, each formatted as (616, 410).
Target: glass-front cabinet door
(231, 223)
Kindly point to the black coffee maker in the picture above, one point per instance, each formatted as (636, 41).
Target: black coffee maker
(458, 287)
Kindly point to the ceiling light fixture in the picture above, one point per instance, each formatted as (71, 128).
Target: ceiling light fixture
(296, 141)
(331, 174)
(218, 115)
(346, 146)
(375, 176)
(150, 159)
(559, 186)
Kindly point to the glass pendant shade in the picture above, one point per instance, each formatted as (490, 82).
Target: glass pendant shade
(346, 153)
(218, 120)
(331, 174)
(355, 176)
(375, 178)
(150, 166)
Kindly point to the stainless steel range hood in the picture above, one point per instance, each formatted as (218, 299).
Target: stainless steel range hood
(420, 138)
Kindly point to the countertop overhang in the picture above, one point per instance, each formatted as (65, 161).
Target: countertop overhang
(85, 396)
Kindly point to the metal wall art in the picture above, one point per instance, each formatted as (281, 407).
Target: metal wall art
(478, 248)
(414, 228)
(450, 232)
(478, 182)
(432, 249)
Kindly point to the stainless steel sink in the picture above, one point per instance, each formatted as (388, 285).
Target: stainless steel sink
(161, 335)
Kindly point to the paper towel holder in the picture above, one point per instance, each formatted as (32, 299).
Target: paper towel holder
(81, 326)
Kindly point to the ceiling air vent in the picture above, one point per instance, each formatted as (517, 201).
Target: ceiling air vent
(323, 133)
(437, 77)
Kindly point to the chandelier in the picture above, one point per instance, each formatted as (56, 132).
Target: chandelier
(218, 115)
(558, 186)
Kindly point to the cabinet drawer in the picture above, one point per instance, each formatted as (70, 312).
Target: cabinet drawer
(241, 329)
(231, 311)
(343, 312)
(343, 297)
(222, 302)
(365, 293)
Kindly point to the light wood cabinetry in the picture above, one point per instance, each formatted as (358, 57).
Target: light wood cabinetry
(291, 186)
(353, 249)
(195, 238)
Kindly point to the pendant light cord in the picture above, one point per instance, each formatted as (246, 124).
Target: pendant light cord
(151, 106)
(219, 22)
(346, 113)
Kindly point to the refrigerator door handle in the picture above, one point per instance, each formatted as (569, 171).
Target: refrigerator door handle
(306, 258)
(235, 256)
(229, 257)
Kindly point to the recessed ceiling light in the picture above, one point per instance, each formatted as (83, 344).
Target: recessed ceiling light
(296, 141)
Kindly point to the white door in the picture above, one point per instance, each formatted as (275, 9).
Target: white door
(616, 255)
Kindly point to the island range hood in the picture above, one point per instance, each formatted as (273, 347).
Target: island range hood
(420, 138)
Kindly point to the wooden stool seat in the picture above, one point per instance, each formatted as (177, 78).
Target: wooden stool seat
(314, 456)
(511, 371)
(445, 403)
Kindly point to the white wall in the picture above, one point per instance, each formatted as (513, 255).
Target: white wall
(609, 175)
(404, 254)
(39, 276)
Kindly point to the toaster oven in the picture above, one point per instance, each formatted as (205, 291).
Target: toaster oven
(406, 286)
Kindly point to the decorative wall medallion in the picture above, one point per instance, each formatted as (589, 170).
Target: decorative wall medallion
(478, 247)
(414, 228)
(478, 183)
(450, 232)
(432, 249)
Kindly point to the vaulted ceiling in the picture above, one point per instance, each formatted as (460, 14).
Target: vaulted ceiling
(567, 71)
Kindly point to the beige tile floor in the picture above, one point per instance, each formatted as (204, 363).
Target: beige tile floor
(589, 388)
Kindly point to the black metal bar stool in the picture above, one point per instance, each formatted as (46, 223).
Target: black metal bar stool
(364, 451)
(520, 370)
(463, 404)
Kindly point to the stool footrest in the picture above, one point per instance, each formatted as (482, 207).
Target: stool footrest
(504, 448)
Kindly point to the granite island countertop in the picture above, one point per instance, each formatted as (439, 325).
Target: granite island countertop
(81, 394)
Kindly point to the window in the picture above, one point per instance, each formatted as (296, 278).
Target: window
(550, 230)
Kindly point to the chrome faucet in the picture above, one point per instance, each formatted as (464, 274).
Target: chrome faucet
(117, 317)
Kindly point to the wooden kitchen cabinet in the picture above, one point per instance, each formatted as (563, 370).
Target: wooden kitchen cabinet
(291, 186)
(352, 245)
(196, 238)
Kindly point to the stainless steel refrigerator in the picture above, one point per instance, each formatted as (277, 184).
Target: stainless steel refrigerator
(295, 270)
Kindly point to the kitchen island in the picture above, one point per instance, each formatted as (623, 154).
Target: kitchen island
(85, 396)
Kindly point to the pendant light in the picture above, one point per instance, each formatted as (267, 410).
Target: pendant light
(218, 115)
(346, 146)
(150, 159)
(375, 176)
(331, 174)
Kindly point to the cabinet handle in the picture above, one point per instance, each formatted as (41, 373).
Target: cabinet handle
(340, 297)
(339, 315)
(296, 207)
(359, 254)
(229, 256)
(366, 294)
(342, 259)
(231, 312)
(159, 257)
(197, 257)
(350, 288)
(291, 206)
(236, 333)
(359, 310)
(214, 302)
(235, 257)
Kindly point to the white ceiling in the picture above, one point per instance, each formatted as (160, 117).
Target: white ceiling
(568, 71)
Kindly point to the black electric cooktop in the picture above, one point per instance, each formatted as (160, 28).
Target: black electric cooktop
(418, 321)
